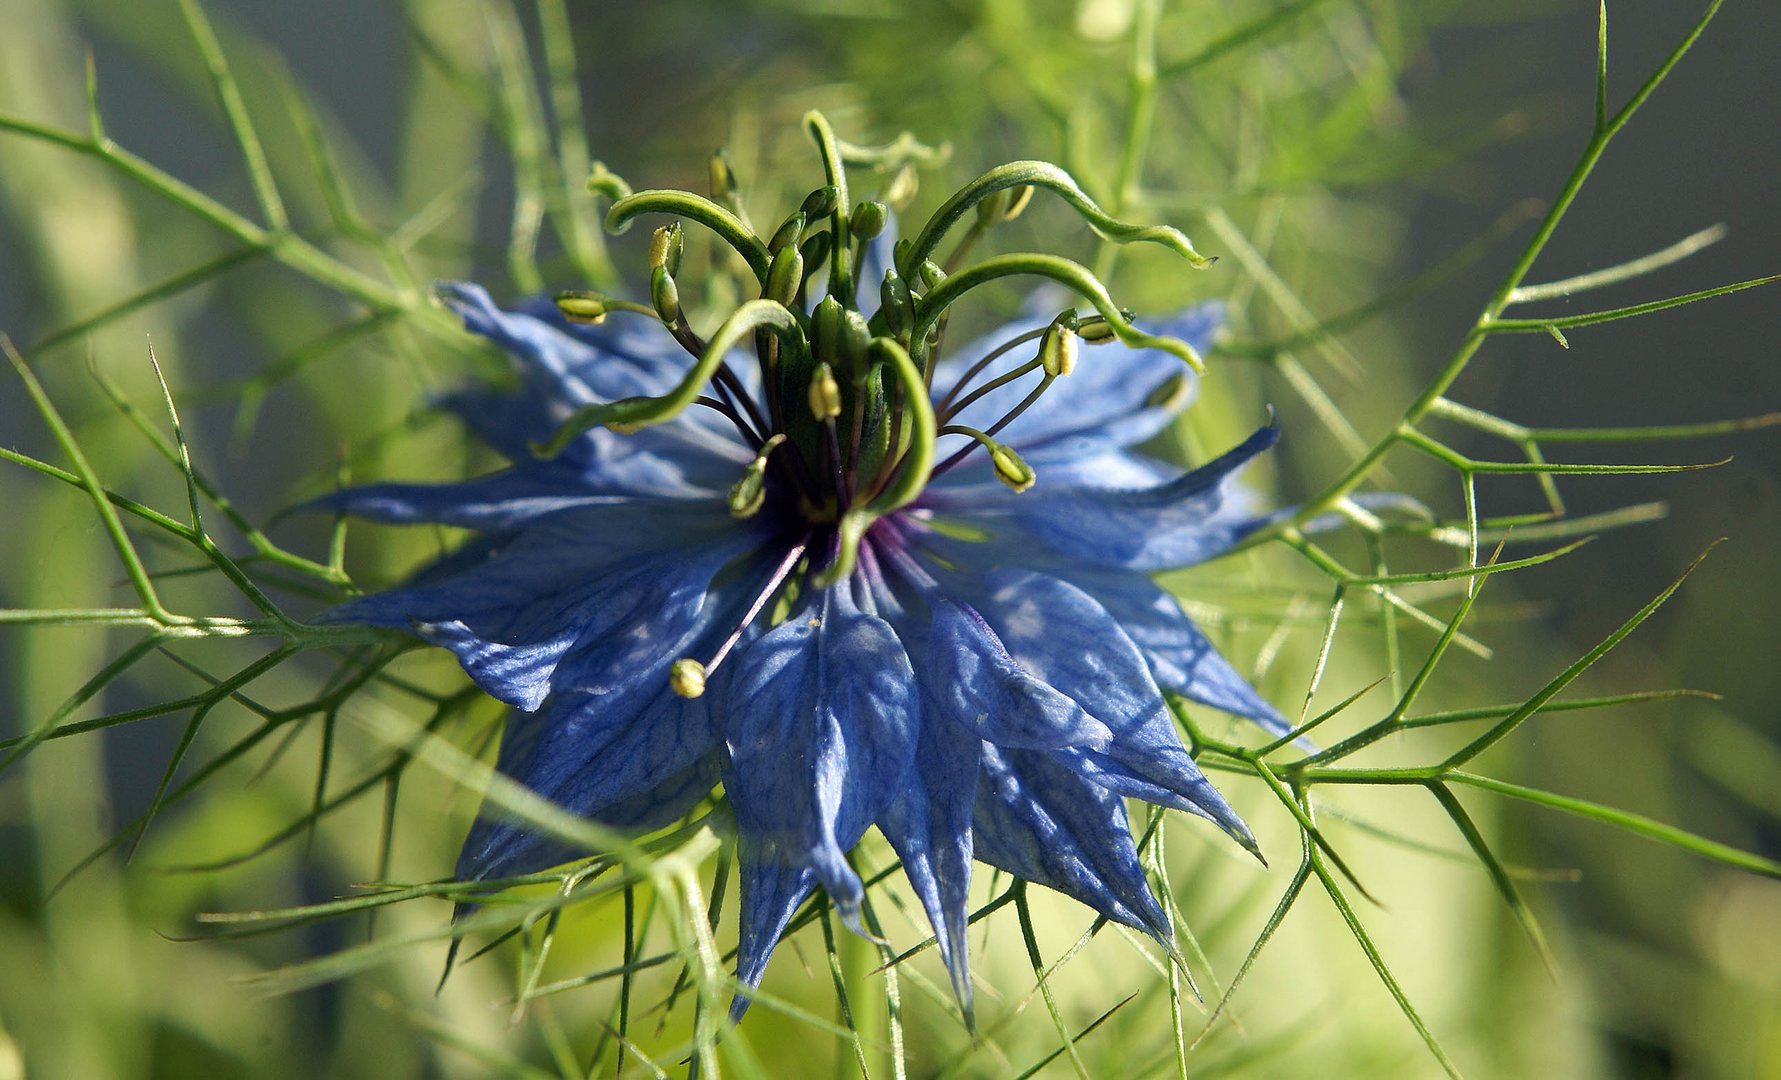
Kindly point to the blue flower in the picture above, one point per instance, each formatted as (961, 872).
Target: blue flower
(781, 588)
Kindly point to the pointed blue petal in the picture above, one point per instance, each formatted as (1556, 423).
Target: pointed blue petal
(1042, 822)
(499, 500)
(1179, 523)
(820, 724)
(928, 823)
(1061, 635)
(511, 620)
(980, 687)
(771, 892)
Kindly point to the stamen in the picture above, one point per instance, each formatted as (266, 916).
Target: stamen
(687, 673)
(1025, 404)
(749, 494)
(977, 369)
(1011, 468)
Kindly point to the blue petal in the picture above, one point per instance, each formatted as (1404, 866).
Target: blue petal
(1179, 523)
(565, 367)
(771, 892)
(499, 500)
(1042, 822)
(983, 689)
(1058, 634)
(1116, 397)
(820, 724)
(511, 619)
(928, 823)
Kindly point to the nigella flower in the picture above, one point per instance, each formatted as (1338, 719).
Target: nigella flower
(856, 576)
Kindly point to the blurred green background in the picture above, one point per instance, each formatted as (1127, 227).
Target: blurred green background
(1346, 148)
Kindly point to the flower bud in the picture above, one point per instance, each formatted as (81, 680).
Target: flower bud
(825, 393)
(1011, 468)
(665, 295)
(665, 246)
(582, 307)
(821, 202)
(869, 219)
(1059, 349)
(687, 677)
(789, 233)
(784, 277)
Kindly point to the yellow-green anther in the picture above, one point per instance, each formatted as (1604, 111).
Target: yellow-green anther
(1098, 331)
(1059, 349)
(749, 493)
(723, 178)
(789, 233)
(1011, 468)
(582, 307)
(918, 450)
(825, 393)
(686, 677)
(903, 187)
(869, 219)
(821, 202)
(1018, 198)
(815, 249)
(826, 325)
(603, 181)
(856, 339)
(784, 276)
(931, 274)
(894, 302)
(665, 295)
(665, 247)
